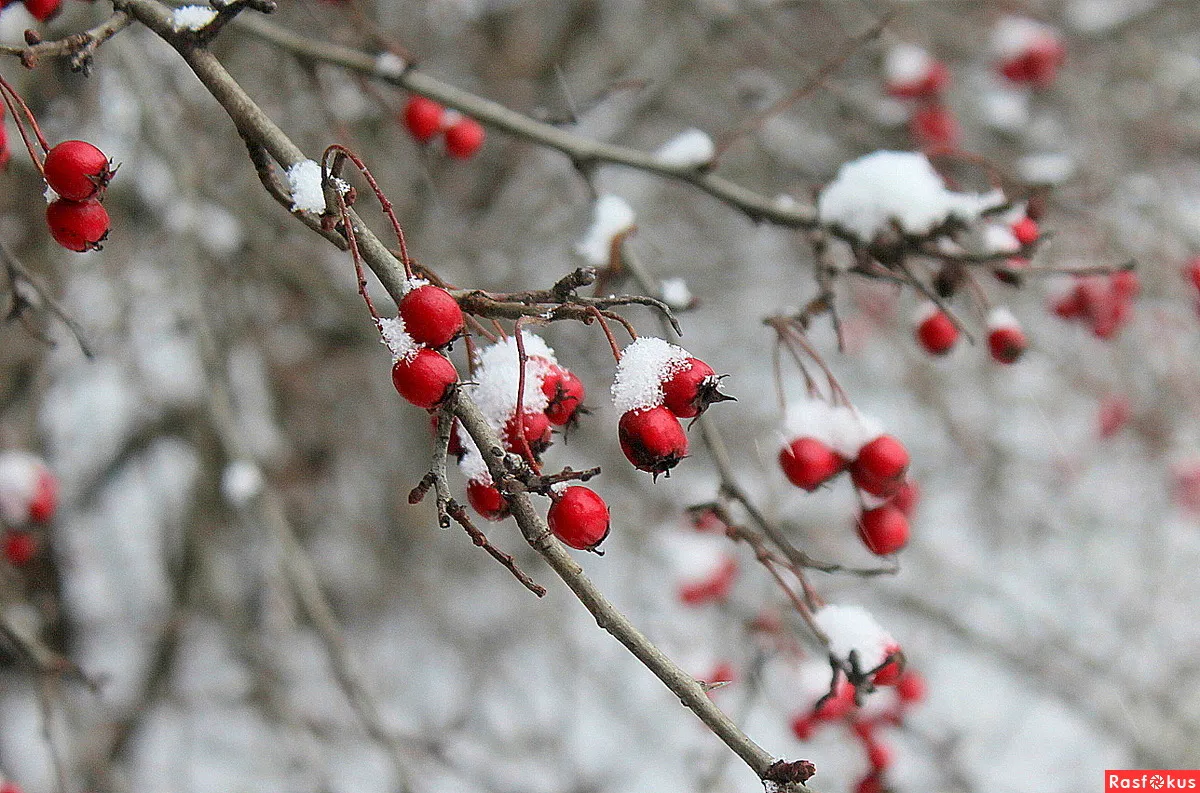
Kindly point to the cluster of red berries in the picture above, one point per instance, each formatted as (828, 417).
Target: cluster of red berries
(426, 119)
(913, 74)
(656, 385)
(78, 173)
(41, 10)
(1103, 303)
(823, 441)
(937, 334)
(428, 319)
(28, 496)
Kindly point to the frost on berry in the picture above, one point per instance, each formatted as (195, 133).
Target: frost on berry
(611, 217)
(498, 375)
(393, 333)
(1028, 51)
(579, 517)
(852, 629)
(192, 17)
(875, 192)
(652, 439)
(645, 364)
(841, 428)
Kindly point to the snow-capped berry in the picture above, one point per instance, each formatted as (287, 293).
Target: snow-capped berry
(579, 517)
(853, 633)
(1026, 231)
(936, 332)
(431, 316)
(689, 391)
(77, 170)
(652, 439)
(884, 529)
(77, 225)
(564, 394)
(880, 466)
(911, 73)
(424, 379)
(423, 117)
(1029, 51)
(808, 463)
(934, 127)
(889, 673)
(486, 500)
(1006, 340)
(910, 687)
(20, 547)
(908, 495)
(463, 138)
(537, 433)
(42, 10)
(45, 497)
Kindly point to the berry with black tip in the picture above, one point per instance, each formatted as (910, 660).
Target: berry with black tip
(691, 389)
(77, 225)
(652, 439)
(77, 170)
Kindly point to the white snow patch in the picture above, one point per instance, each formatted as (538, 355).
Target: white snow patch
(389, 64)
(241, 482)
(1014, 36)
(411, 284)
(675, 293)
(403, 346)
(907, 64)
(304, 180)
(839, 427)
(472, 464)
(999, 239)
(611, 216)
(192, 17)
(644, 366)
(498, 374)
(1047, 169)
(853, 628)
(695, 558)
(1005, 108)
(1001, 317)
(872, 192)
(692, 147)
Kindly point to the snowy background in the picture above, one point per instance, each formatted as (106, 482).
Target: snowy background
(1048, 592)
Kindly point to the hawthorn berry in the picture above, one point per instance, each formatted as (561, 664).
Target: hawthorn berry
(803, 726)
(77, 225)
(879, 755)
(808, 463)
(564, 392)
(1026, 231)
(77, 170)
(889, 673)
(1126, 285)
(424, 379)
(652, 439)
(934, 126)
(537, 433)
(20, 547)
(871, 783)
(913, 74)
(42, 10)
(1114, 414)
(463, 138)
(910, 687)
(1007, 344)
(45, 498)
(884, 529)
(713, 589)
(937, 333)
(908, 495)
(431, 316)
(579, 517)
(423, 117)
(834, 707)
(1192, 272)
(1038, 64)
(880, 466)
(486, 499)
(691, 389)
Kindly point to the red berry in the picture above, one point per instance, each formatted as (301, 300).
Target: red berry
(463, 138)
(1114, 414)
(688, 392)
(883, 530)
(423, 117)
(880, 466)
(1126, 285)
(889, 673)
(77, 170)
(20, 547)
(837, 706)
(579, 517)
(485, 499)
(1026, 231)
(431, 316)
(871, 783)
(910, 687)
(1007, 344)
(907, 497)
(425, 379)
(1192, 271)
(803, 726)
(565, 394)
(42, 10)
(5, 154)
(537, 433)
(714, 589)
(45, 498)
(934, 126)
(1070, 306)
(77, 225)
(808, 463)
(929, 86)
(937, 333)
(652, 439)
(879, 755)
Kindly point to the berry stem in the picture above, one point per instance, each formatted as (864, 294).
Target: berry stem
(355, 255)
(10, 95)
(523, 359)
(612, 342)
(341, 151)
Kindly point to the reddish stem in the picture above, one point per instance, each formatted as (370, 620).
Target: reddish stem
(522, 359)
(383, 200)
(352, 241)
(612, 342)
(10, 95)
